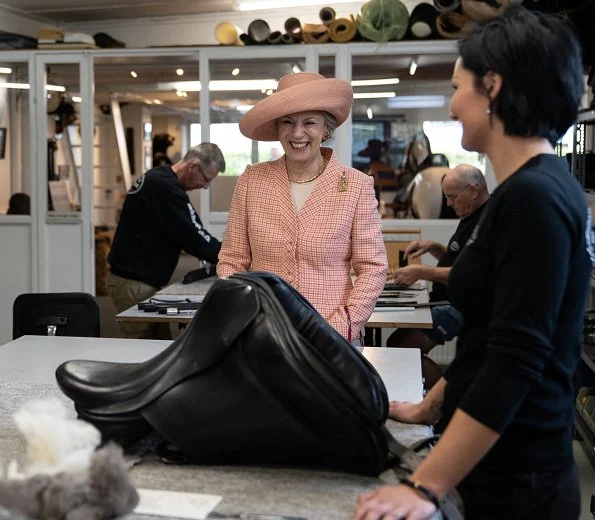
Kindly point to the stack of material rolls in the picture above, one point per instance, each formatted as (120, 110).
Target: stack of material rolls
(378, 20)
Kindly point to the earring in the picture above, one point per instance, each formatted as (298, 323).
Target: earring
(489, 110)
(326, 136)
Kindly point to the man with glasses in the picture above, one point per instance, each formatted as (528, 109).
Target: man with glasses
(466, 192)
(157, 222)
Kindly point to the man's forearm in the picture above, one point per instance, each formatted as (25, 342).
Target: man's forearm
(434, 274)
(437, 250)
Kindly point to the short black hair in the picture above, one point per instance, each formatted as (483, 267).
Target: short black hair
(538, 57)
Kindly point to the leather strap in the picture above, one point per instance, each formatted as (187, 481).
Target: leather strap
(408, 458)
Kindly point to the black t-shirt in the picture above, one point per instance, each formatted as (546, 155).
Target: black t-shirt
(521, 285)
(455, 246)
(157, 222)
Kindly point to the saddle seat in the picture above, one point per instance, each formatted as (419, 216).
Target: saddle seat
(255, 366)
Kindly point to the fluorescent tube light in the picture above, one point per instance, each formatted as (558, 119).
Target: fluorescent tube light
(373, 82)
(76, 99)
(369, 112)
(373, 95)
(26, 86)
(256, 5)
(243, 108)
(412, 67)
(5, 70)
(225, 85)
(416, 102)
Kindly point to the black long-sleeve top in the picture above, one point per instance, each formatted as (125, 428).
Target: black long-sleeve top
(157, 222)
(521, 286)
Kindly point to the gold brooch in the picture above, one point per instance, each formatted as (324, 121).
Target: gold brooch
(343, 182)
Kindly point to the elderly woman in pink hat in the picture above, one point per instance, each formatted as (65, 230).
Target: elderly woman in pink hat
(306, 216)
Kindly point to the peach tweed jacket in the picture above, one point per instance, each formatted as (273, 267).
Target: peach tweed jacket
(312, 249)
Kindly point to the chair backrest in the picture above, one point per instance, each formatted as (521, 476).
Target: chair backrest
(396, 241)
(55, 314)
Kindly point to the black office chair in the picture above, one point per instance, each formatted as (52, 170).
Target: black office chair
(55, 314)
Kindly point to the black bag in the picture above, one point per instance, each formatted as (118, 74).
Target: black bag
(258, 377)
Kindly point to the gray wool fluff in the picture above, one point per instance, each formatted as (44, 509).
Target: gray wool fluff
(102, 492)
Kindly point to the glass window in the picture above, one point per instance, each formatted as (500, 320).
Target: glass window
(445, 138)
(15, 170)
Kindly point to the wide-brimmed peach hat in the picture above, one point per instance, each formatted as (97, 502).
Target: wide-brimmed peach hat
(300, 92)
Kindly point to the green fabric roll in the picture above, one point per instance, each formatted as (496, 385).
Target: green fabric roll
(383, 20)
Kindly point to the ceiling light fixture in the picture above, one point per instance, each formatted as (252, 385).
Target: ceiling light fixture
(296, 68)
(374, 82)
(133, 74)
(223, 85)
(256, 5)
(5, 70)
(369, 113)
(416, 102)
(412, 66)
(76, 99)
(180, 72)
(243, 108)
(235, 72)
(373, 95)
(26, 86)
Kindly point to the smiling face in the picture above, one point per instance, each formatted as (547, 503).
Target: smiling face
(470, 107)
(301, 135)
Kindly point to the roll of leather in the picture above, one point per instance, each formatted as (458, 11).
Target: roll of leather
(383, 20)
(422, 22)
(483, 11)
(453, 25)
(246, 40)
(342, 30)
(226, 33)
(315, 33)
(446, 5)
(327, 15)
(293, 27)
(287, 38)
(275, 37)
(259, 30)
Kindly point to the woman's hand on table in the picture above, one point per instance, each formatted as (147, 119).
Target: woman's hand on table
(405, 411)
(393, 503)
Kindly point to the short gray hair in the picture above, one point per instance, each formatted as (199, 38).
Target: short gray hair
(330, 121)
(207, 154)
(468, 174)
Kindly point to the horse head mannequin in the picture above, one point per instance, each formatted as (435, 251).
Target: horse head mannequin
(427, 196)
(421, 194)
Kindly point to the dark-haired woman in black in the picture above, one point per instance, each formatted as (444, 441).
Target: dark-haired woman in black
(505, 404)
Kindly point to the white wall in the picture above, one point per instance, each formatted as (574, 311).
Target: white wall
(15, 266)
(18, 24)
(199, 29)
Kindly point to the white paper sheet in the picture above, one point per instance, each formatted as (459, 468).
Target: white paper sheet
(193, 506)
(393, 309)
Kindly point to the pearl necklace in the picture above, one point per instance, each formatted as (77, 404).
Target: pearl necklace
(307, 180)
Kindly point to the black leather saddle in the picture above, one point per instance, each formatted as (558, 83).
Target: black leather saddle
(257, 377)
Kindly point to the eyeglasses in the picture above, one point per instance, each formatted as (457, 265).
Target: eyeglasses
(204, 175)
(452, 198)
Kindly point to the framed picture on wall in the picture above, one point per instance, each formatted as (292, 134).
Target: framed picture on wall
(2, 142)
